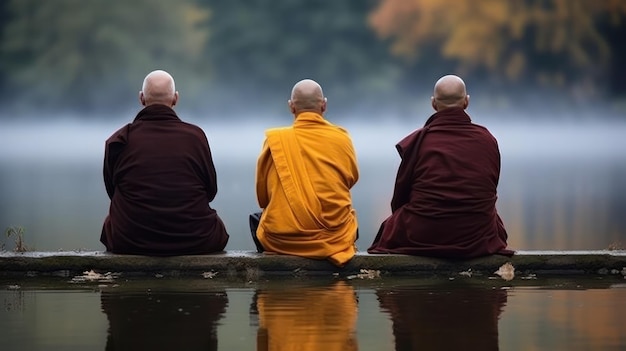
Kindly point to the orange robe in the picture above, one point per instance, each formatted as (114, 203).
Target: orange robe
(303, 181)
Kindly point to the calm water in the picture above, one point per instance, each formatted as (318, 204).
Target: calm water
(383, 314)
(563, 185)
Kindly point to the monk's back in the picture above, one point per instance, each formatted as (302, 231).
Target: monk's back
(458, 171)
(303, 181)
(444, 201)
(160, 177)
(324, 147)
(160, 171)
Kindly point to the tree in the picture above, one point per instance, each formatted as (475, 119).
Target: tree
(4, 17)
(84, 55)
(556, 42)
(260, 48)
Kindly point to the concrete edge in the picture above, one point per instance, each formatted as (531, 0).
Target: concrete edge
(246, 263)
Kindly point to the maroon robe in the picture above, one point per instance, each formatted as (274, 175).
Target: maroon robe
(444, 201)
(160, 177)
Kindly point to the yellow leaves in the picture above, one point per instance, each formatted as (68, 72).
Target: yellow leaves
(502, 36)
(194, 17)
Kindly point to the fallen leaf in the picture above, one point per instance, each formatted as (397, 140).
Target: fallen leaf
(467, 273)
(209, 275)
(91, 276)
(366, 274)
(506, 271)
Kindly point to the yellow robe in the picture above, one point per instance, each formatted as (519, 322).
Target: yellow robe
(307, 318)
(303, 180)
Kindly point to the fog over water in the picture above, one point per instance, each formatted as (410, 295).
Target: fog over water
(563, 184)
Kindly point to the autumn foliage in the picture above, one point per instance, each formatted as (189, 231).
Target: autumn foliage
(549, 40)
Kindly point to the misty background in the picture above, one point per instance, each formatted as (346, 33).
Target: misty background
(545, 76)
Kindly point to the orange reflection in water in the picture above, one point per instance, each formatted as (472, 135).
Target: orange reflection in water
(306, 318)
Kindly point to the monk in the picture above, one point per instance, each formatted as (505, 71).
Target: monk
(444, 201)
(303, 180)
(160, 177)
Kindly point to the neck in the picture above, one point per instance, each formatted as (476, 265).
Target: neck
(311, 111)
(158, 103)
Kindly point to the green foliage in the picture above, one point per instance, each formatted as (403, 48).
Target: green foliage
(94, 54)
(260, 48)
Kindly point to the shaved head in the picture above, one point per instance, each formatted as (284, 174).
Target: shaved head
(307, 95)
(158, 88)
(449, 92)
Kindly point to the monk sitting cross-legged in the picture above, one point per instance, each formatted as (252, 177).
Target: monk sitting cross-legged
(444, 201)
(303, 181)
(159, 175)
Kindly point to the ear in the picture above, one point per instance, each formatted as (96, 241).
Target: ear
(175, 99)
(323, 107)
(466, 102)
(142, 100)
(433, 103)
(291, 107)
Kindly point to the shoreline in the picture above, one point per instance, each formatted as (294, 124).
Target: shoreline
(250, 263)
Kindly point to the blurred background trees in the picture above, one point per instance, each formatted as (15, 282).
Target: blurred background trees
(568, 44)
(243, 56)
(260, 48)
(84, 55)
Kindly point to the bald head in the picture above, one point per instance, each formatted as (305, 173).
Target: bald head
(307, 95)
(449, 92)
(158, 88)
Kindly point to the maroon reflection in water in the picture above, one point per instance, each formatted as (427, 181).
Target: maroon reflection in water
(163, 321)
(444, 318)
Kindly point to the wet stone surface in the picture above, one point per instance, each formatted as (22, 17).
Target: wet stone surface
(250, 264)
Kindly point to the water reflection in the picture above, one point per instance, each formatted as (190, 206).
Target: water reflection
(575, 313)
(306, 318)
(455, 317)
(566, 315)
(163, 320)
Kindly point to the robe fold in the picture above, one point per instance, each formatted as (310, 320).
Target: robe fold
(444, 200)
(303, 181)
(159, 174)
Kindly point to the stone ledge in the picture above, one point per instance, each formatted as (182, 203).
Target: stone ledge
(236, 263)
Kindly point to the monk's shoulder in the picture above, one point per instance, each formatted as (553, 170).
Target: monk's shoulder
(338, 130)
(483, 130)
(120, 135)
(408, 140)
(274, 131)
(192, 129)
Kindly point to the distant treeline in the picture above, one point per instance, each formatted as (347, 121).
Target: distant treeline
(244, 55)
